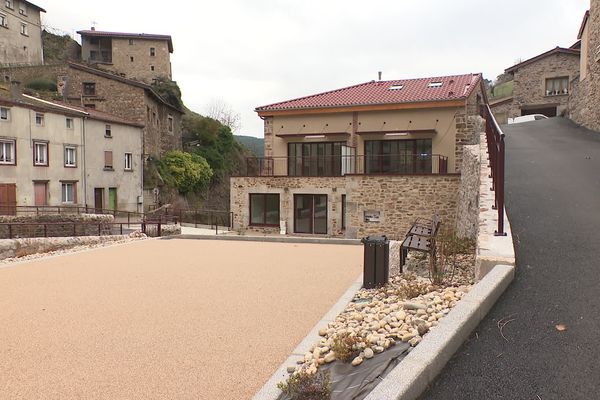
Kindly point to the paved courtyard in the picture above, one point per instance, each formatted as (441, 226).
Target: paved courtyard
(163, 319)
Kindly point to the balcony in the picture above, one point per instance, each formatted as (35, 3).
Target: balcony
(335, 166)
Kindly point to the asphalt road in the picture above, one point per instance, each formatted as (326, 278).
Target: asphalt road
(553, 202)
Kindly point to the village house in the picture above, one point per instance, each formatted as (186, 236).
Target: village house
(20, 33)
(542, 85)
(361, 160)
(140, 56)
(585, 101)
(61, 155)
(91, 88)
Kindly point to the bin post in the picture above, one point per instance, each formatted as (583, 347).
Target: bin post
(376, 261)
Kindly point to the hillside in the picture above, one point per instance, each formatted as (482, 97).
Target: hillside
(254, 144)
(59, 47)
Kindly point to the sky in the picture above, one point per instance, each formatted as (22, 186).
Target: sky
(249, 53)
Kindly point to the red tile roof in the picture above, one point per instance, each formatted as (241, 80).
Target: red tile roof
(556, 50)
(125, 35)
(385, 92)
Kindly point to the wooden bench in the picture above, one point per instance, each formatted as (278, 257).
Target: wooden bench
(420, 237)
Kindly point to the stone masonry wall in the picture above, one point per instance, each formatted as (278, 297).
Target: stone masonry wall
(467, 213)
(584, 104)
(467, 127)
(398, 199)
(530, 83)
(56, 225)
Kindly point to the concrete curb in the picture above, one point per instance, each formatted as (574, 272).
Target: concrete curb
(422, 365)
(269, 391)
(272, 239)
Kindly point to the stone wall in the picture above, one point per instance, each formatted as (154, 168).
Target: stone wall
(399, 200)
(530, 83)
(467, 213)
(55, 225)
(468, 125)
(584, 104)
(11, 248)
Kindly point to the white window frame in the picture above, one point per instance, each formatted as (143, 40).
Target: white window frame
(11, 146)
(22, 8)
(39, 117)
(128, 162)
(69, 123)
(24, 30)
(9, 4)
(67, 197)
(108, 131)
(5, 111)
(40, 153)
(3, 20)
(71, 161)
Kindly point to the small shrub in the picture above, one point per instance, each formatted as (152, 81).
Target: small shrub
(448, 246)
(345, 347)
(41, 84)
(412, 287)
(305, 386)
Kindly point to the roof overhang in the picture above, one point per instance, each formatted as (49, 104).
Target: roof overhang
(125, 35)
(586, 17)
(556, 50)
(365, 107)
(35, 6)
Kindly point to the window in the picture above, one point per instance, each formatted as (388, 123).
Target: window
(398, 156)
(152, 51)
(315, 159)
(131, 58)
(557, 86)
(108, 160)
(264, 209)
(69, 192)
(128, 161)
(70, 156)
(94, 41)
(93, 55)
(69, 122)
(4, 114)
(435, 84)
(131, 42)
(9, 4)
(90, 106)
(396, 87)
(22, 9)
(107, 131)
(7, 152)
(39, 119)
(89, 88)
(40, 154)
(152, 68)
(24, 29)
(3, 20)
(170, 123)
(310, 213)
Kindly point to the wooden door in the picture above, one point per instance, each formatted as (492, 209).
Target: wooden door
(99, 199)
(8, 199)
(40, 190)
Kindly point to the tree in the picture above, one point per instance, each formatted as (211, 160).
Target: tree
(223, 112)
(187, 172)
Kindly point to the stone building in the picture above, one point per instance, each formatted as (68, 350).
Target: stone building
(585, 101)
(20, 33)
(56, 154)
(366, 159)
(88, 87)
(542, 85)
(140, 56)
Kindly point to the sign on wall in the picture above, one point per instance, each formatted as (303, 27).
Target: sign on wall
(372, 216)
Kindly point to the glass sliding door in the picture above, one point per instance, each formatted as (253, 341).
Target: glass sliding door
(315, 159)
(310, 213)
(398, 156)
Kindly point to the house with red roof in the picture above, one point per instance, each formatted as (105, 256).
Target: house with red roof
(360, 160)
(141, 56)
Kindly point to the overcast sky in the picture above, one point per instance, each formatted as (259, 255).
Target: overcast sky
(254, 52)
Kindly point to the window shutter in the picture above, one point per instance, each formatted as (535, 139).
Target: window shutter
(108, 159)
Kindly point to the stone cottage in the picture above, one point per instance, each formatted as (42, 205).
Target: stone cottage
(361, 160)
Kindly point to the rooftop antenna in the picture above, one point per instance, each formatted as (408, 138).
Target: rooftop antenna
(379, 73)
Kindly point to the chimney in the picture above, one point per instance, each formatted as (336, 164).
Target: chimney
(379, 73)
(15, 90)
(93, 28)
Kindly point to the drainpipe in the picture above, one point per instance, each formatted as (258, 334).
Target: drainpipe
(83, 158)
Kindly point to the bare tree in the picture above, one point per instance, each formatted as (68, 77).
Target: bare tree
(223, 112)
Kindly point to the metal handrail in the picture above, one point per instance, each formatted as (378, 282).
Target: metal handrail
(496, 152)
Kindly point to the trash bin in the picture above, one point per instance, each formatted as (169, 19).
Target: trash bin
(376, 269)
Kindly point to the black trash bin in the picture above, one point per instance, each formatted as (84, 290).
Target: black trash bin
(376, 269)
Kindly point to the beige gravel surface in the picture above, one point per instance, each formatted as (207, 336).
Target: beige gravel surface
(163, 319)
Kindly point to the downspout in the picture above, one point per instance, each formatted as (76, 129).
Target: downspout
(143, 137)
(83, 158)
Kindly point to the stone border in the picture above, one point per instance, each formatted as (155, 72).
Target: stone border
(420, 367)
(272, 239)
(269, 391)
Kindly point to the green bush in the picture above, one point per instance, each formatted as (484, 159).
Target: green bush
(305, 386)
(41, 84)
(187, 172)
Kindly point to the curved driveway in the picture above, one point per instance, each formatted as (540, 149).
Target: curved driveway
(553, 202)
